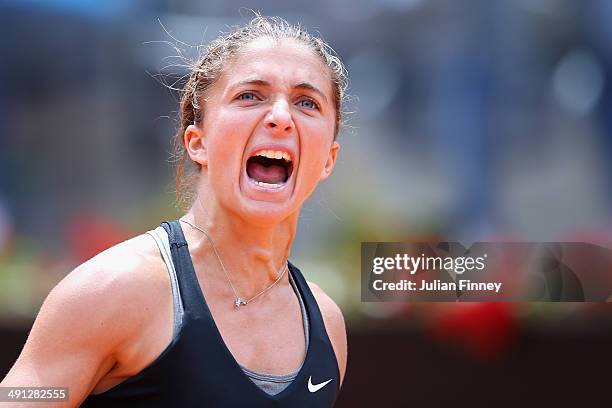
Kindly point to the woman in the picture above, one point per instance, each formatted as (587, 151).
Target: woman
(207, 310)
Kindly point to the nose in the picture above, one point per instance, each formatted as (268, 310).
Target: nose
(279, 121)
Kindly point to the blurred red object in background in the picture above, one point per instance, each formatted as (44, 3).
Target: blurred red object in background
(90, 234)
(485, 330)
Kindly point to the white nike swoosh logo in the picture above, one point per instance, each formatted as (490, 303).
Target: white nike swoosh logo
(316, 387)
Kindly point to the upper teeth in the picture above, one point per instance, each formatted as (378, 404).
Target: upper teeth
(274, 154)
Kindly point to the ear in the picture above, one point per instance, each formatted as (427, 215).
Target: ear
(331, 160)
(195, 144)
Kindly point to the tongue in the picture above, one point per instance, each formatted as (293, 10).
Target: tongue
(272, 174)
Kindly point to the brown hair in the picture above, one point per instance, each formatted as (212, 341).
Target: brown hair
(207, 70)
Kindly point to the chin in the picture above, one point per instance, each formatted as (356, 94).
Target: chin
(265, 213)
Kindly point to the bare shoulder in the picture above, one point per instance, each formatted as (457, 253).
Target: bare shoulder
(334, 324)
(106, 298)
(123, 266)
(119, 279)
(89, 317)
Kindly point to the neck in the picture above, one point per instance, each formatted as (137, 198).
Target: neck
(253, 255)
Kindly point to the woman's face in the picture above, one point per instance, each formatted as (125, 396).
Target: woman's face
(267, 135)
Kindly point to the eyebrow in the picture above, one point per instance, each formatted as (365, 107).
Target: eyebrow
(312, 88)
(260, 82)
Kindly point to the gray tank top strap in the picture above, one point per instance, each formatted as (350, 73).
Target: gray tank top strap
(302, 308)
(161, 239)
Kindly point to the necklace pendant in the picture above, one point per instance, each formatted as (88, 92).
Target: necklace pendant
(239, 302)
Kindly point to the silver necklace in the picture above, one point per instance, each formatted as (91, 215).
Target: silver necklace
(239, 301)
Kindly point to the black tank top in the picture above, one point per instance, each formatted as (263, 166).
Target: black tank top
(197, 369)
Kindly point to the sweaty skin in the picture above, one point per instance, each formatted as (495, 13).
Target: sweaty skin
(112, 316)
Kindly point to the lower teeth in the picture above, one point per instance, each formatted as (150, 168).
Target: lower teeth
(268, 185)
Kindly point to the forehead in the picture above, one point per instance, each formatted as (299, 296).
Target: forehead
(280, 62)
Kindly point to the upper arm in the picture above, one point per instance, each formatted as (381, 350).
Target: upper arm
(78, 331)
(334, 324)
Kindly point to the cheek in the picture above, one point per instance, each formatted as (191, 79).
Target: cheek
(316, 150)
(227, 140)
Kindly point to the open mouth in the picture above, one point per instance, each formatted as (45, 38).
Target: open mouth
(269, 168)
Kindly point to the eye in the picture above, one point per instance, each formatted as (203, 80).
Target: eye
(248, 96)
(308, 103)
